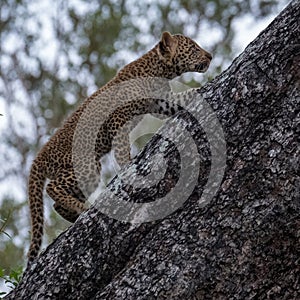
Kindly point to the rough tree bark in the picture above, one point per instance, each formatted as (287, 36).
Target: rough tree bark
(244, 243)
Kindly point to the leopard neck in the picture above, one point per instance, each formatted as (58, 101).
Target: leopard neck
(148, 65)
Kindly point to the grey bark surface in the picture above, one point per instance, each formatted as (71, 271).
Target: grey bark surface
(244, 244)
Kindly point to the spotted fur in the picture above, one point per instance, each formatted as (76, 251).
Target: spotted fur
(171, 57)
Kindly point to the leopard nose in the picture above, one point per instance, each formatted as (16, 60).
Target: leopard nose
(208, 55)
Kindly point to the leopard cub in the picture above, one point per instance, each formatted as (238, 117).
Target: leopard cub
(172, 56)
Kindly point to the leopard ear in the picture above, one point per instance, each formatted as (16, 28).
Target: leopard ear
(167, 46)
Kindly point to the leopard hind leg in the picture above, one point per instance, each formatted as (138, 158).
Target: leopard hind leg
(70, 202)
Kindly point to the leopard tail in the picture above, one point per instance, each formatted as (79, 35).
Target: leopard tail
(37, 178)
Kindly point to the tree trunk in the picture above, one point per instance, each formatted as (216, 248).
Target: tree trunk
(239, 243)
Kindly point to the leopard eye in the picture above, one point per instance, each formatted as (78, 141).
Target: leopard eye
(194, 50)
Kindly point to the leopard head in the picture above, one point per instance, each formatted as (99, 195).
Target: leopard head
(180, 54)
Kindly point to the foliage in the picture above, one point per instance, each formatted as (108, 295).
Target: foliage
(2, 227)
(14, 276)
(12, 279)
